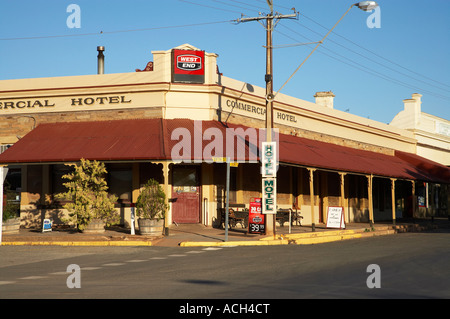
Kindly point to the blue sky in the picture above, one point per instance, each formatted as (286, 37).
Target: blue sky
(370, 70)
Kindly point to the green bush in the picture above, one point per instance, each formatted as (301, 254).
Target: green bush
(151, 202)
(88, 196)
(10, 206)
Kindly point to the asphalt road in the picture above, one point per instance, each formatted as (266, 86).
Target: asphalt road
(411, 265)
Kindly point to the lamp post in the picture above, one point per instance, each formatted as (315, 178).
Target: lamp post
(270, 97)
(363, 5)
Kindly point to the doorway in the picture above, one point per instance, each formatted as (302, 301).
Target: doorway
(186, 195)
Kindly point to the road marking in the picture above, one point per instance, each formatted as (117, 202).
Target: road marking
(114, 264)
(90, 268)
(33, 277)
(195, 252)
(177, 255)
(158, 258)
(59, 273)
(7, 282)
(212, 248)
(135, 261)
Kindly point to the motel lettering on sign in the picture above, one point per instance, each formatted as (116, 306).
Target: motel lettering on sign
(269, 196)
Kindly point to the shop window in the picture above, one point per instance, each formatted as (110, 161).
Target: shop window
(57, 173)
(120, 181)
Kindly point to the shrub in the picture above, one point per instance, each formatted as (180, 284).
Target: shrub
(151, 202)
(88, 196)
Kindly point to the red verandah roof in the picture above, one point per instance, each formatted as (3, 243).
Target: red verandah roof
(154, 139)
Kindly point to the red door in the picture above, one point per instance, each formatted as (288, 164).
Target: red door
(185, 195)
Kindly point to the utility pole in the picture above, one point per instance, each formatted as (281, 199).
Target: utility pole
(271, 20)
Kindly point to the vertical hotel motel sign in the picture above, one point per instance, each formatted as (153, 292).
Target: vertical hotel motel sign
(269, 177)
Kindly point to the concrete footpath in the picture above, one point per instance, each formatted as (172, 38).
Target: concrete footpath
(190, 235)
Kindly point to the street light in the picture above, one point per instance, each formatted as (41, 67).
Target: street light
(367, 5)
(363, 5)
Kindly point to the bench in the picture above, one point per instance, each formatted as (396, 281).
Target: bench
(283, 216)
(237, 214)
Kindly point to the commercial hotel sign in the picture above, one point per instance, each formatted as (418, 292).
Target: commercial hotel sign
(248, 109)
(58, 103)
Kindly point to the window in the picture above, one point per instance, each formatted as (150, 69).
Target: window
(120, 181)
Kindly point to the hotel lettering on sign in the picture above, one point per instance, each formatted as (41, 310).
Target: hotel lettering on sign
(269, 159)
(269, 167)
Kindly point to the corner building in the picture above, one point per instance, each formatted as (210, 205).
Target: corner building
(172, 120)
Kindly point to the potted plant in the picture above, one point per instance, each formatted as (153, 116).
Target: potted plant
(151, 209)
(11, 219)
(90, 206)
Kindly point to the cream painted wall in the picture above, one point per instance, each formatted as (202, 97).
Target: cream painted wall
(432, 132)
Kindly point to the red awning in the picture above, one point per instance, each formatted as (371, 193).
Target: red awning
(159, 139)
(318, 154)
(106, 140)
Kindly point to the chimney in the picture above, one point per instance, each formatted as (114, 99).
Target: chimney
(325, 99)
(413, 106)
(100, 60)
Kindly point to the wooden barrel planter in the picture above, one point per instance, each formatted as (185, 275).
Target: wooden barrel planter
(96, 226)
(11, 226)
(151, 227)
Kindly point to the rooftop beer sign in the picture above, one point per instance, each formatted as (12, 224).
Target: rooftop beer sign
(189, 62)
(188, 66)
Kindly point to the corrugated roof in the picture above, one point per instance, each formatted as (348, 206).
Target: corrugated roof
(106, 140)
(155, 139)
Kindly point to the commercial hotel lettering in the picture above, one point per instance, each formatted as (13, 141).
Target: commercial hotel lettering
(259, 110)
(25, 104)
(245, 107)
(77, 101)
(99, 100)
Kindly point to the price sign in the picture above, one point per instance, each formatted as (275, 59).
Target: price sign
(256, 221)
(335, 218)
(46, 225)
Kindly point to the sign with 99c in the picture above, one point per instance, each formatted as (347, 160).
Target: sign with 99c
(256, 220)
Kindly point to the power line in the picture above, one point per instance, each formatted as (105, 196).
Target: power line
(370, 51)
(209, 6)
(365, 49)
(113, 32)
(365, 69)
(372, 60)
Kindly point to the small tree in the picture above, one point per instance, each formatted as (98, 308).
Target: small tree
(87, 191)
(151, 202)
(10, 207)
